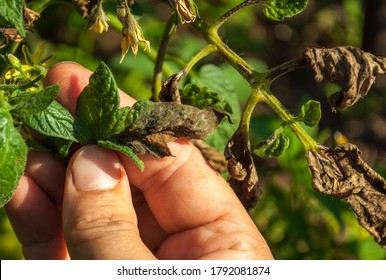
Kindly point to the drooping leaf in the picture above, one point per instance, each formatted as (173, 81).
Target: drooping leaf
(13, 155)
(204, 98)
(242, 174)
(170, 89)
(12, 12)
(281, 9)
(28, 103)
(342, 173)
(54, 121)
(310, 113)
(124, 149)
(156, 124)
(274, 146)
(98, 115)
(356, 68)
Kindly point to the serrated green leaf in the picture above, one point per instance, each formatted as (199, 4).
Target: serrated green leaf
(281, 9)
(54, 121)
(310, 113)
(124, 149)
(12, 12)
(28, 103)
(274, 146)
(98, 116)
(13, 155)
(204, 98)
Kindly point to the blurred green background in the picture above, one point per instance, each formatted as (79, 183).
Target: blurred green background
(297, 222)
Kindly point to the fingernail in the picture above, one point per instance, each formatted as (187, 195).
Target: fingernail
(95, 168)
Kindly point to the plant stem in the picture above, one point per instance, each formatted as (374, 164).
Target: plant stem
(231, 12)
(157, 77)
(285, 68)
(259, 82)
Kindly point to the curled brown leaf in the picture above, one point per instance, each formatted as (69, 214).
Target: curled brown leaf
(158, 123)
(342, 173)
(242, 174)
(356, 68)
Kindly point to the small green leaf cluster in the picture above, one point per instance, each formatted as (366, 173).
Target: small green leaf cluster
(278, 142)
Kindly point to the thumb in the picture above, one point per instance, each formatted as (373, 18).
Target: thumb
(99, 220)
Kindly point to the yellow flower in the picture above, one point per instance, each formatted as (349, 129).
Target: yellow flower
(132, 33)
(98, 21)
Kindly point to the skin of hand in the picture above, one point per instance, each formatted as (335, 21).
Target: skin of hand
(101, 206)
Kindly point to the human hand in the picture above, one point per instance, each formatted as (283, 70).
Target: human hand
(101, 206)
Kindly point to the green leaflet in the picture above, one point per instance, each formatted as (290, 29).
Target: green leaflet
(28, 103)
(310, 113)
(12, 12)
(274, 146)
(54, 121)
(124, 149)
(204, 98)
(98, 115)
(213, 77)
(13, 155)
(281, 9)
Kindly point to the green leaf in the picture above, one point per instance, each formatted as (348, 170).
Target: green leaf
(28, 103)
(12, 12)
(281, 9)
(213, 77)
(98, 116)
(54, 121)
(204, 98)
(274, 146)
(124, 149)
(310, 113)
(13, 155)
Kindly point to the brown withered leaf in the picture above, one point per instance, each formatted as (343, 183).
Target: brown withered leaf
(170, 91)
(342, 173)
(157, 123)
(242, 174)
(356, 68)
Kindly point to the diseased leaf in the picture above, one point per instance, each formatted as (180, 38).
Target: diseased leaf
(28, 103)
(242, 174)
(342, 173)
(356, 68)
(156, 124)
(13, 155)
(310, 113)
(98, 115)
(274, 146)
(12, 12)
(281, 9)
(124, 149)
(54, 121)
(170, 91)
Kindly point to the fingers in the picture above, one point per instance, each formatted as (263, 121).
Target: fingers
(99, 219)
(36, 222)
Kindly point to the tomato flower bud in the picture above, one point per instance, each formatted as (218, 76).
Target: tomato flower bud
(131, 31)
(186, 10)
(98, 21)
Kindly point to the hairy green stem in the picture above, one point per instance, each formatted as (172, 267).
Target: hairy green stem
(209, 49)
(157, 76)
(231, 12)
